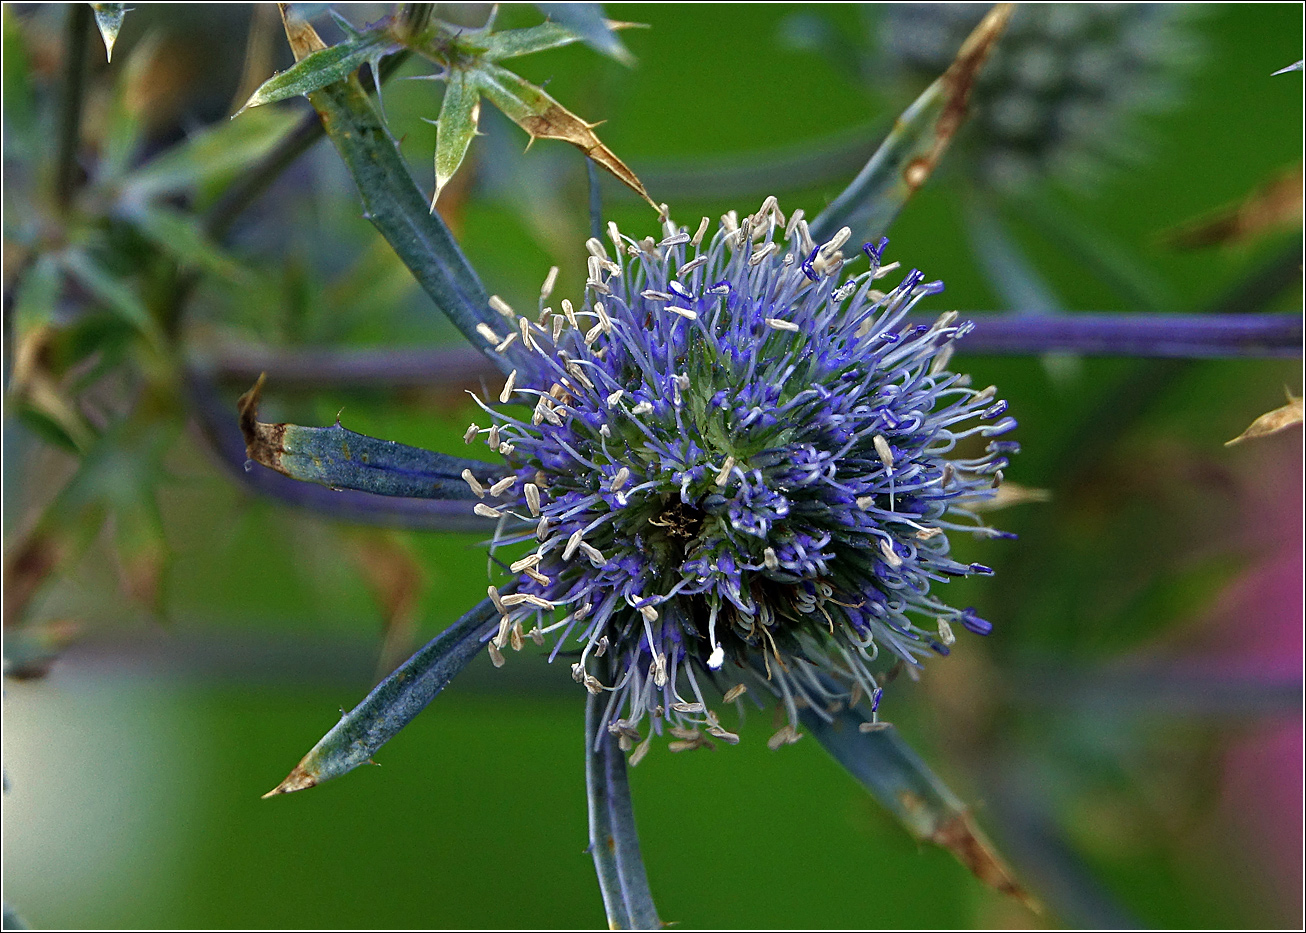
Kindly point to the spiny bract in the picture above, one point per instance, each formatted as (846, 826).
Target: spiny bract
(736, 469)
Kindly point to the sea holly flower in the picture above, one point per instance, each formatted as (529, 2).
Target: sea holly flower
(739, 466)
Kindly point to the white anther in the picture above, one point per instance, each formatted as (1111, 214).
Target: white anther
(549, 281)
(652, 294)
(876, 726)
(508, 387)
(486, 331)
(890, 554)
(622, 477)
(691, 266)
(779, 324)
(885, 453)
(503, 485)
(527, 562)
(697, 238)
(865, 502)
(572, 543)
(683, 312)
(498, 304)
(615, 236)
(496, 656)
(724, 474)
(532, 493)
(643, 408)
(497, 599)
(492, 437)
(507, 342)
(769, 559)
(474, 483)
(505, 448)
(614, 397)
(570, 314)
(486, 511)
(716, 658)
(472, 430)
(943, 358)
(945, 632)
(593, 333)
(983, 395)
(761, 254)
(594, 554)
(542, 529)
(926, 533)
(603, 317)
(540, 601)
(836, 241)
(676, 239)
(649, 613)
(596, 248)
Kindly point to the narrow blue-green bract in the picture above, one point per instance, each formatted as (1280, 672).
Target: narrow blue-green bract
(394, 702)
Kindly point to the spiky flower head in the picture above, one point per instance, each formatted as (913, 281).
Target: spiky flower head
(1062, 92)
(736, 467)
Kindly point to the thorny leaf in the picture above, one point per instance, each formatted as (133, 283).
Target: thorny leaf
(460, 112)
(1275, 205)
(544, 118)
(904, 784)
(344, 459)
(108, 19)
(394, 702)
(1272, 422)
(322, 66)
(918, 140)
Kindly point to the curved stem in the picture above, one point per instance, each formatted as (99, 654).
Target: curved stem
(614, 843)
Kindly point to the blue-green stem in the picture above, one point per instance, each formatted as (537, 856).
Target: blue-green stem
(614, 843)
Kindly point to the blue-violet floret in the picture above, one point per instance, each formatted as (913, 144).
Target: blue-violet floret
(739, 465)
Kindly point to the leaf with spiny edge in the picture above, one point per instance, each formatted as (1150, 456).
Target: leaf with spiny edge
(460, 112)
(1272, 422)
(544, 118)
(918, 140)
(394, 702)
(108, 19)
(344, 459)
(323, 66)
(901, 781)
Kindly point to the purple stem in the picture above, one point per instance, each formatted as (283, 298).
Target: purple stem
(1190, 336)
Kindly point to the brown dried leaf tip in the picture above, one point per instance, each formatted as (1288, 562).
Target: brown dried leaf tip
(958, 82)
(960, 837)
(557, 122)
(1272, 422)
(301, 35)
(264, 443)
(299, 779)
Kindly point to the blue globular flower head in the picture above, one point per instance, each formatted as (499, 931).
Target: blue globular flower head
(1063, 91)
(739, 464)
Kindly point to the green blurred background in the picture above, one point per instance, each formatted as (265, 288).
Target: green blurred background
(1124, 733)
